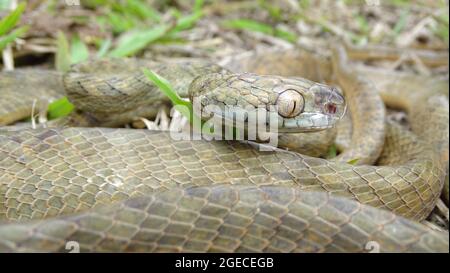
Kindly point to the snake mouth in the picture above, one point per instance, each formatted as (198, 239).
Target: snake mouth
(309, 122)
(268, 121)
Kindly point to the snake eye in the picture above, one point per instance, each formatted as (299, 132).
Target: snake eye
(290, 103)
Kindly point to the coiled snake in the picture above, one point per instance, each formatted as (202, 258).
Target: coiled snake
(138, 190)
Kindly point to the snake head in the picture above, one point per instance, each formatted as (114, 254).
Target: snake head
(288, 104)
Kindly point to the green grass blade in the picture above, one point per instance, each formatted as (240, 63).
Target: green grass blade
(93, 4)
(274, 11)
(442, 31)
(62, 60)
(78, 51)
(442, 28)
(7, 23)
(118, 22)
(104, 47)
(188, 21)
(5, 40)
(198, 5)
(184, 107)
(332, 152)
(401, 23)
(246, 24)
(142, 10)
(165, 87)
(59, 108)
(135, 41)
(353, 161)
(363, 24)
(251, 25)
(286, 35)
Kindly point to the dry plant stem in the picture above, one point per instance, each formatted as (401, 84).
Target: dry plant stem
(443, 209)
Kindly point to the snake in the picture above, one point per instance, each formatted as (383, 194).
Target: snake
(130, 190)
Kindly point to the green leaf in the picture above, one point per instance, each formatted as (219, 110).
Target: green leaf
(251, 25)
(135, 41)
(184, 107)
(363, 24)
(104, 47)
(305, 4)
(441, 29)
(444, 18)
(79, 51)
(198, 5)
(187, 22)
(59, 108)
(400, 3)
(142, 10)
(353, 161)
(7, 23)
(246, 24)
(5, 40)
(166, 88)
(401, 23)
(92, 4)
(118, 22)
(274, 11)
(286, 35)
(62, 60)
(332, 152)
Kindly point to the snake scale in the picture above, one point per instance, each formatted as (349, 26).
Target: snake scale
(111, 189)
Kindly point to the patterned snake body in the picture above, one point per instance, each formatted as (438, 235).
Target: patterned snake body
(235, 197)
(225, 219)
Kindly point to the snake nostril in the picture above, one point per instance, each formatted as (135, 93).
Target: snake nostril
(330, 108)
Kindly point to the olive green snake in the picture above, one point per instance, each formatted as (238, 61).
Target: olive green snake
(116, 189)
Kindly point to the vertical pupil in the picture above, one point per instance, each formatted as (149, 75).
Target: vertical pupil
(294, 106)
(290, 103)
